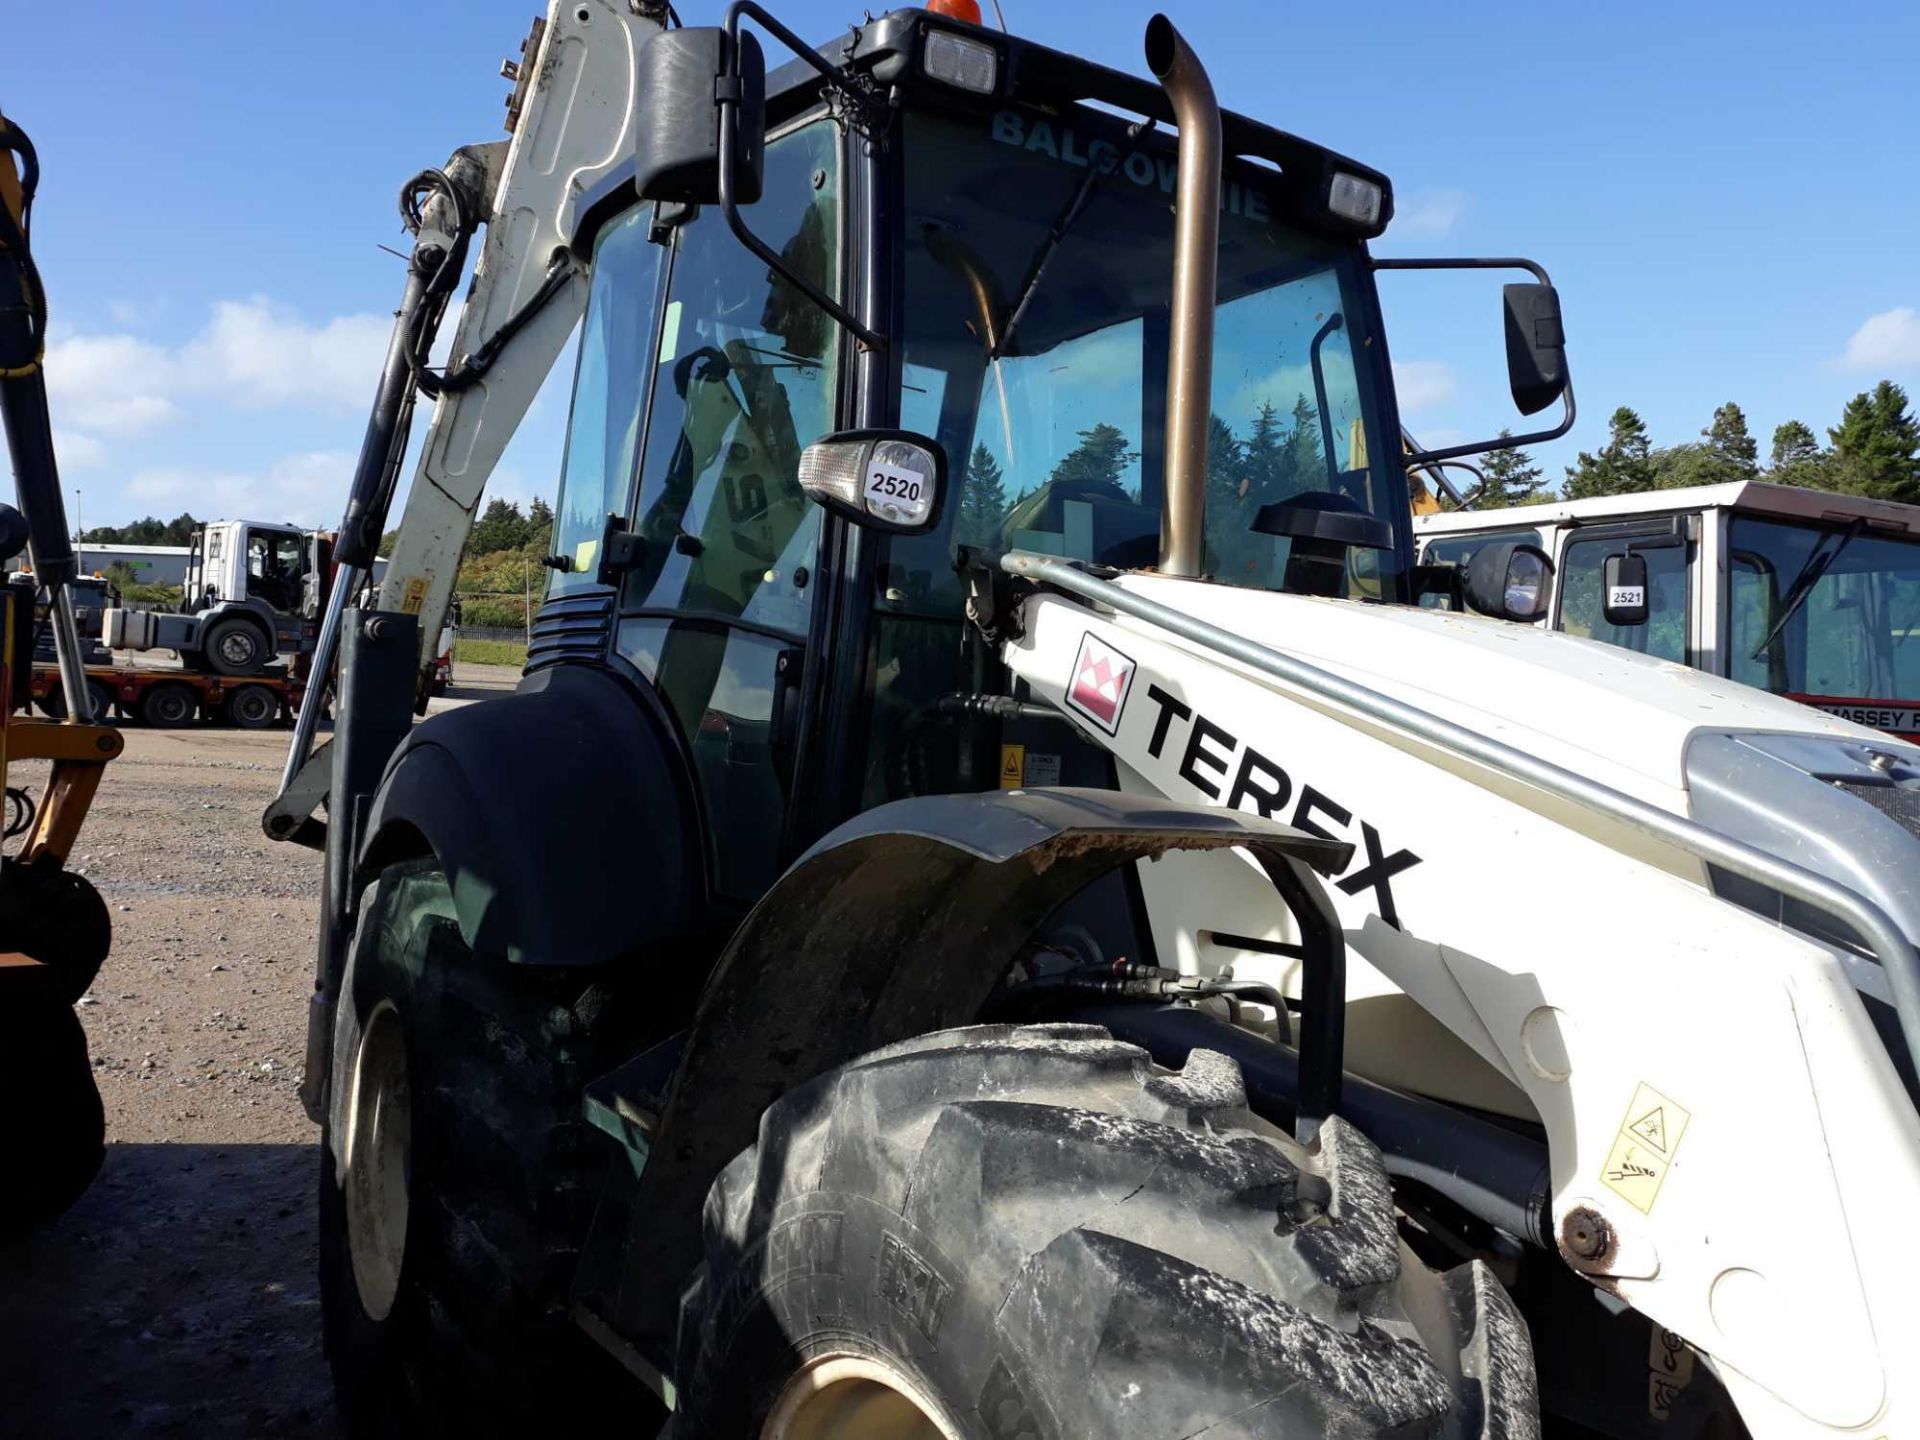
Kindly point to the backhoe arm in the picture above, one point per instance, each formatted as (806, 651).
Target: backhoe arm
(572, 116)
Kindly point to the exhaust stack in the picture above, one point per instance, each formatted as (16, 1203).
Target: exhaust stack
(1196, 284)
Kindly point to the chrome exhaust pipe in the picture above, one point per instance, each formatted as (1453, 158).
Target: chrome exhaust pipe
(1196, 286)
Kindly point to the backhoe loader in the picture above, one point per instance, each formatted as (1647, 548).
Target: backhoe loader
(54, 928)
(993, 911)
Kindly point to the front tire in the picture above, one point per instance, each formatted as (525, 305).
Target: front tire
(1034, 1232)
(52, 1124)
(448, 1236)
(235, 646)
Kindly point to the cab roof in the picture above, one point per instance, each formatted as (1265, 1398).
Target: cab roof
(1758, 497)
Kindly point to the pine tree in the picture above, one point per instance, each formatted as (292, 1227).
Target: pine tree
(1623, 466)
(539, 525)
(983, 501)
(1876, 445)
(500, 527)
(1232, 500)
(1511, 478)
(1732, 453)
(1305, 468)
(1797, 459)
(1100, 457)
(1263, 455)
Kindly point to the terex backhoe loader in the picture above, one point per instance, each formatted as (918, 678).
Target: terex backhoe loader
(54, 928)
(1056, 941)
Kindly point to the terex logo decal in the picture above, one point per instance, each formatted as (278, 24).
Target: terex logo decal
(1212, 754)
(1101, 678)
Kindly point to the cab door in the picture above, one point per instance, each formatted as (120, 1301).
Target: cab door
(716, 595)
(1665, 544)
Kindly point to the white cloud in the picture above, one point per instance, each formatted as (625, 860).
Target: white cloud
(259, 354)
(77, 450)
(305, 488)
(114, 384)
(1427, 212)
(1887, 341)
(1422, 384)
(253, 354)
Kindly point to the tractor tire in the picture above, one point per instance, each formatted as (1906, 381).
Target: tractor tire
(450, 1233)
(235, 646)
(1035, 1232)
(58, 918)
(251, 707)
(169, 706)
(54, 705)
(52, 1125)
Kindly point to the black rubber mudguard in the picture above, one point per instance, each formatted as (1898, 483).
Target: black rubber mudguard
(564, 814)
(900, 922)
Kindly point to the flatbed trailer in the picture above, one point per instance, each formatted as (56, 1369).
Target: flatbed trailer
(170, 698)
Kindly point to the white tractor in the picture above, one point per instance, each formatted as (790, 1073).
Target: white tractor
(1058, 941)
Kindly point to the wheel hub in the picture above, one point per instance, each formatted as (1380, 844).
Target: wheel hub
(853, 1397)
(236, 648)
(379, 1160)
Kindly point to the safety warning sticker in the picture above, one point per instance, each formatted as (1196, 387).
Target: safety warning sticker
(414, 595)
(1643, 1150)
(1013, 766)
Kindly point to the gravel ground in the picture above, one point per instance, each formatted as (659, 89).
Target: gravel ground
(178, 1296)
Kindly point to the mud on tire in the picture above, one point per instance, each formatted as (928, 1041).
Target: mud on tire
(1048, 1237)
(503, 1178)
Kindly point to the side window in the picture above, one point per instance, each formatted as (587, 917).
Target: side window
(610, 379)
(1664, 636)
(745, 381)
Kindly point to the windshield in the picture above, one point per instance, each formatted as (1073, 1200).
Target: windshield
(1848, 636)
(1055, 421)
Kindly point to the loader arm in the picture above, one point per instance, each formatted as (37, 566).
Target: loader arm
(575, 122)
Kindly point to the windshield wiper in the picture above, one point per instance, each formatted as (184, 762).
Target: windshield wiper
(1044, 256)
(1817, 565)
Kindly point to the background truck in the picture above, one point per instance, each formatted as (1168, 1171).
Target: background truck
(1803, 593)
(1349, 1019)
(253, 592)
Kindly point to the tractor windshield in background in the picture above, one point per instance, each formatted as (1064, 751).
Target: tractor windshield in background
(1055, 427)
(1849, 637)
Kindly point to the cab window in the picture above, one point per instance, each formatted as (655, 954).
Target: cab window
(1664, 636)
(1457, 550)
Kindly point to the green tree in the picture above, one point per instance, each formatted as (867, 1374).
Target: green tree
(1101, 456)
(1623, 466)
(387, 542)
(1675, 467)
(1304, 466)
(1232, 498)
(1511, 477)
(1797, 458)
(1731, 449)
(539, 525)
(983, 501)
(1876, 445)
(500, 527)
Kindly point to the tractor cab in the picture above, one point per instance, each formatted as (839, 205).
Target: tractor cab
(985, 265)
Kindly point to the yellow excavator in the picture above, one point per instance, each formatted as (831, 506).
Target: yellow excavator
(54, 929)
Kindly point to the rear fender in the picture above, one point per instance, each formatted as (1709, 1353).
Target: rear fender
(902, 921)
(564, 816)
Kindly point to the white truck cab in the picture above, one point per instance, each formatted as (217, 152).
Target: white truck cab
(1803, 593)
(253, 592)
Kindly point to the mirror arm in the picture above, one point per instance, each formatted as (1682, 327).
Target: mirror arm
(1481, 447)
(1484, 262)
(728, 98)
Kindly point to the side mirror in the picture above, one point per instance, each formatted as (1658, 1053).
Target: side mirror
(684, 77)
(1623, 590)
(1536, 346)
(891, 480)
(1511, 580)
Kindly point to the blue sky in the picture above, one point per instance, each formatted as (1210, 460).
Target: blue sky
(1726, 193)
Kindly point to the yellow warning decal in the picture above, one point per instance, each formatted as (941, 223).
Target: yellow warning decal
(1013, 766)
(1669, 1371)
(414, 596)
(1649, 1137)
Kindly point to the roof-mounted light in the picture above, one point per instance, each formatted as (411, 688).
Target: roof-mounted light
(967, 10)
(961, 61)
(1355, 199)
